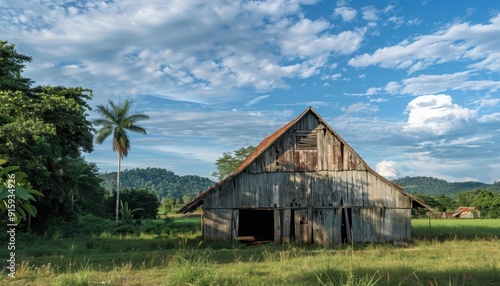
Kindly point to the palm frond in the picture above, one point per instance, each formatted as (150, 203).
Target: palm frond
(103, 134)
(137, 129)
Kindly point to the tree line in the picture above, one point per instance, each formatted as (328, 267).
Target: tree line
(166, 184)
(435, 187)
(444, 196)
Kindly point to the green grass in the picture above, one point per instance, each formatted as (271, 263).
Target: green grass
(453, 252)
(455, 228)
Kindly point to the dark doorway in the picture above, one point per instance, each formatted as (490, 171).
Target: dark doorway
(256, 226)
(346, 228)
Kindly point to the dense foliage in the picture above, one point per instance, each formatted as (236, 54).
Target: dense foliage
(165, 183)
(43, 130)
(16, 194)
(145, 201)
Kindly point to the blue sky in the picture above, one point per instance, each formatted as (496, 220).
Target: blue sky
(412, 86)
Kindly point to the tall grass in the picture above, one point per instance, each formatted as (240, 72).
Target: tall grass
(440, 257)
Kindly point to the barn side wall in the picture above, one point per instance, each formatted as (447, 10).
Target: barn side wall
(320, 193)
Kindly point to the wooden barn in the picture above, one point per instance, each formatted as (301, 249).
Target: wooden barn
(305, 183)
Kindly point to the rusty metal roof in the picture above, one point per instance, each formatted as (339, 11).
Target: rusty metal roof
(268, 141)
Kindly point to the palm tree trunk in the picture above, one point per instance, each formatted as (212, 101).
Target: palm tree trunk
(118, 188)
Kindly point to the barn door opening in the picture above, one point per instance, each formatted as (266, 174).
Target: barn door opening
(256, 226)
(346, 227)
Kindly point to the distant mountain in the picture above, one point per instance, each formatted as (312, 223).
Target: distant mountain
(164, 182)
(435, 187)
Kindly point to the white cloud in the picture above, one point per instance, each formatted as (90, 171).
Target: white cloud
(360, 107)
(428, 84)
(370, 13)
(461, 41)
(436, 114)
(387, 169)
(346, 13)
(256, 100)
(392, 87)
(494, 117)
(373, 90)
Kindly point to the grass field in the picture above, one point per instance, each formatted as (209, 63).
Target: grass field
(451, 252)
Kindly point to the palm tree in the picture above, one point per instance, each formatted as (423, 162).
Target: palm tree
(118, 119)
(80, 173)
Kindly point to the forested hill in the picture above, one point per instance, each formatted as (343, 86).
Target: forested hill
(164, 182)
(435, 187)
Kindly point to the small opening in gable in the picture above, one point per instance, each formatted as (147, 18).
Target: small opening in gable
(306, 140)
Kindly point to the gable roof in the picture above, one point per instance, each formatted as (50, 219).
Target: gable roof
(268, 141)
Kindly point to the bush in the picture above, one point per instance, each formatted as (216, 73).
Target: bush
(123, 230)
(84, 225)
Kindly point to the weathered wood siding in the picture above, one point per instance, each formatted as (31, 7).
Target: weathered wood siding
(310, 189)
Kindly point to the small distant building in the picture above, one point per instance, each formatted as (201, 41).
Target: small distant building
(466, 212)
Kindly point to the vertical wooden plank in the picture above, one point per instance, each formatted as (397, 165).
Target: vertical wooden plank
(312, 121)
(285, 230)
(330, 150)
(339, 155)
(299, 192)
(363, 178)
(278, 222)
(292, 194)
(345, 159)
(208, 225)
(303, 226)
(337, 224)
(325, 148)
(342, 187)
(235, 224)
(287, 158)
(356, 234)
(320, 235)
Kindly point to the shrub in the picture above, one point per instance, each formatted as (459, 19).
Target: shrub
(123, 230)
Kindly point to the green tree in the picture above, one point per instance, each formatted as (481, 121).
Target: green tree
(483, 201)
(143, 199)
(80, 176)
(127, 213)
(42, 129)
(446, 203)
(11, 66)
(465, 199)
(169, 205)
(118, 119)
(229, 161)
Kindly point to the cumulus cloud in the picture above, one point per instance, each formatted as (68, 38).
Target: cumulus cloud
(370, 13)
(387, 169)
(346, 13)
(436, 114)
